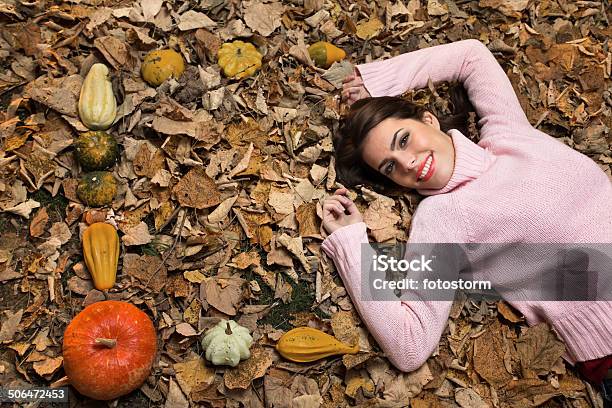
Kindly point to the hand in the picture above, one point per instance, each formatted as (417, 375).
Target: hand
(353, 88)
(339, 211)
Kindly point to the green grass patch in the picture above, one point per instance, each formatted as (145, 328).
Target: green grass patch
(149, 249)
(53, 204)
(302, 298)
(154, 248)
(4, 223)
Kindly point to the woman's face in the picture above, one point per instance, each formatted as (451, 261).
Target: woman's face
(412, 153)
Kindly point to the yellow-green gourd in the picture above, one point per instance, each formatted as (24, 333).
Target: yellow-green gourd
(97, 188)
(324, 54)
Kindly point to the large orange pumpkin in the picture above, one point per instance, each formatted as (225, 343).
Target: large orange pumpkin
(109, 349)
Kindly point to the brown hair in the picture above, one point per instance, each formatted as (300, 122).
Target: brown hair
(367, 113)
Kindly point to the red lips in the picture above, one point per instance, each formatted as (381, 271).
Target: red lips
(422, 166)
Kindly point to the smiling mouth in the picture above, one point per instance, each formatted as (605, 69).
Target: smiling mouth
(426, 171)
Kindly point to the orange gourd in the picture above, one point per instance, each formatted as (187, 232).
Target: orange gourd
(101, 253)
(160, 65)
(305, 344)
(324, 54)
(109, 349)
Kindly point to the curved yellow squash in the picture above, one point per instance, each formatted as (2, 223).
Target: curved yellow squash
(101, 253)
(97, 104)
(305, 344)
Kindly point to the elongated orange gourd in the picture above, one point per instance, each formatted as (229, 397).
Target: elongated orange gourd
(305, 344)
(101, 253)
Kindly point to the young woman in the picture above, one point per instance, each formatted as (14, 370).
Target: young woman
(517, 185)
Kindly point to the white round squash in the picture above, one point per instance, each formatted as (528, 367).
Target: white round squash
(227, 343)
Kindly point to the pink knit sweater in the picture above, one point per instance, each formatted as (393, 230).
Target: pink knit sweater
(517, 184)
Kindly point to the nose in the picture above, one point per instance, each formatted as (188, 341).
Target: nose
(409, 162)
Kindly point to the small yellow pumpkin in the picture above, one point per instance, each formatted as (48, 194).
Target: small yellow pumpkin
(324, 54)
(101, 253)
(239, 59)
(305, 344)
(160, 65)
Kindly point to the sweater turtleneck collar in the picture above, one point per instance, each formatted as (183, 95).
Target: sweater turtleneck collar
(471, 161)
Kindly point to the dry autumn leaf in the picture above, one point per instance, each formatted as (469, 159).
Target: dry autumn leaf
(9, 325)
(539, 349)
(48, 365)
(176, 398)
(224, 294)
(370, 28)
(137, 235)
(197, 190)
(222, 210)
(246, 371)
(489, 358)
(185, 329)
(38, 223)
(193, 374)
(263, 18)
(146, 269)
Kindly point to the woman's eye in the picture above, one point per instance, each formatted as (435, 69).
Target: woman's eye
(389, 168)
(403, 140)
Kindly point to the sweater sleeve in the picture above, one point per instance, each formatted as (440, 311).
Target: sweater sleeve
(470, 62)
(410, 330)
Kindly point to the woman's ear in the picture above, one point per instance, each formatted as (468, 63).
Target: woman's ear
(431, 119)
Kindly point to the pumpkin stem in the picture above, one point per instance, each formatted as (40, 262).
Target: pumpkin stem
(228, 331)
(110, 343)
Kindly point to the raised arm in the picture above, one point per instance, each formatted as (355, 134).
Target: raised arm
(469, 62)
(408, 332)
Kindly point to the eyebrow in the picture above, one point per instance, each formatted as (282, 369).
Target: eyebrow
(391, 147)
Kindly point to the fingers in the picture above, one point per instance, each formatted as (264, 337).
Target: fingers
(349, 205)
(342, 191)
(348, 78)
(333, 207)
(352, 94)
(352, 91)
(352, 82)
(353, 75)
(338, 207)
(343, 203)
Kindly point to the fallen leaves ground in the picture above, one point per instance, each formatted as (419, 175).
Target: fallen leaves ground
(221, 184)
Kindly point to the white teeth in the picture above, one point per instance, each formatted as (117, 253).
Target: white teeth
(426, 168)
